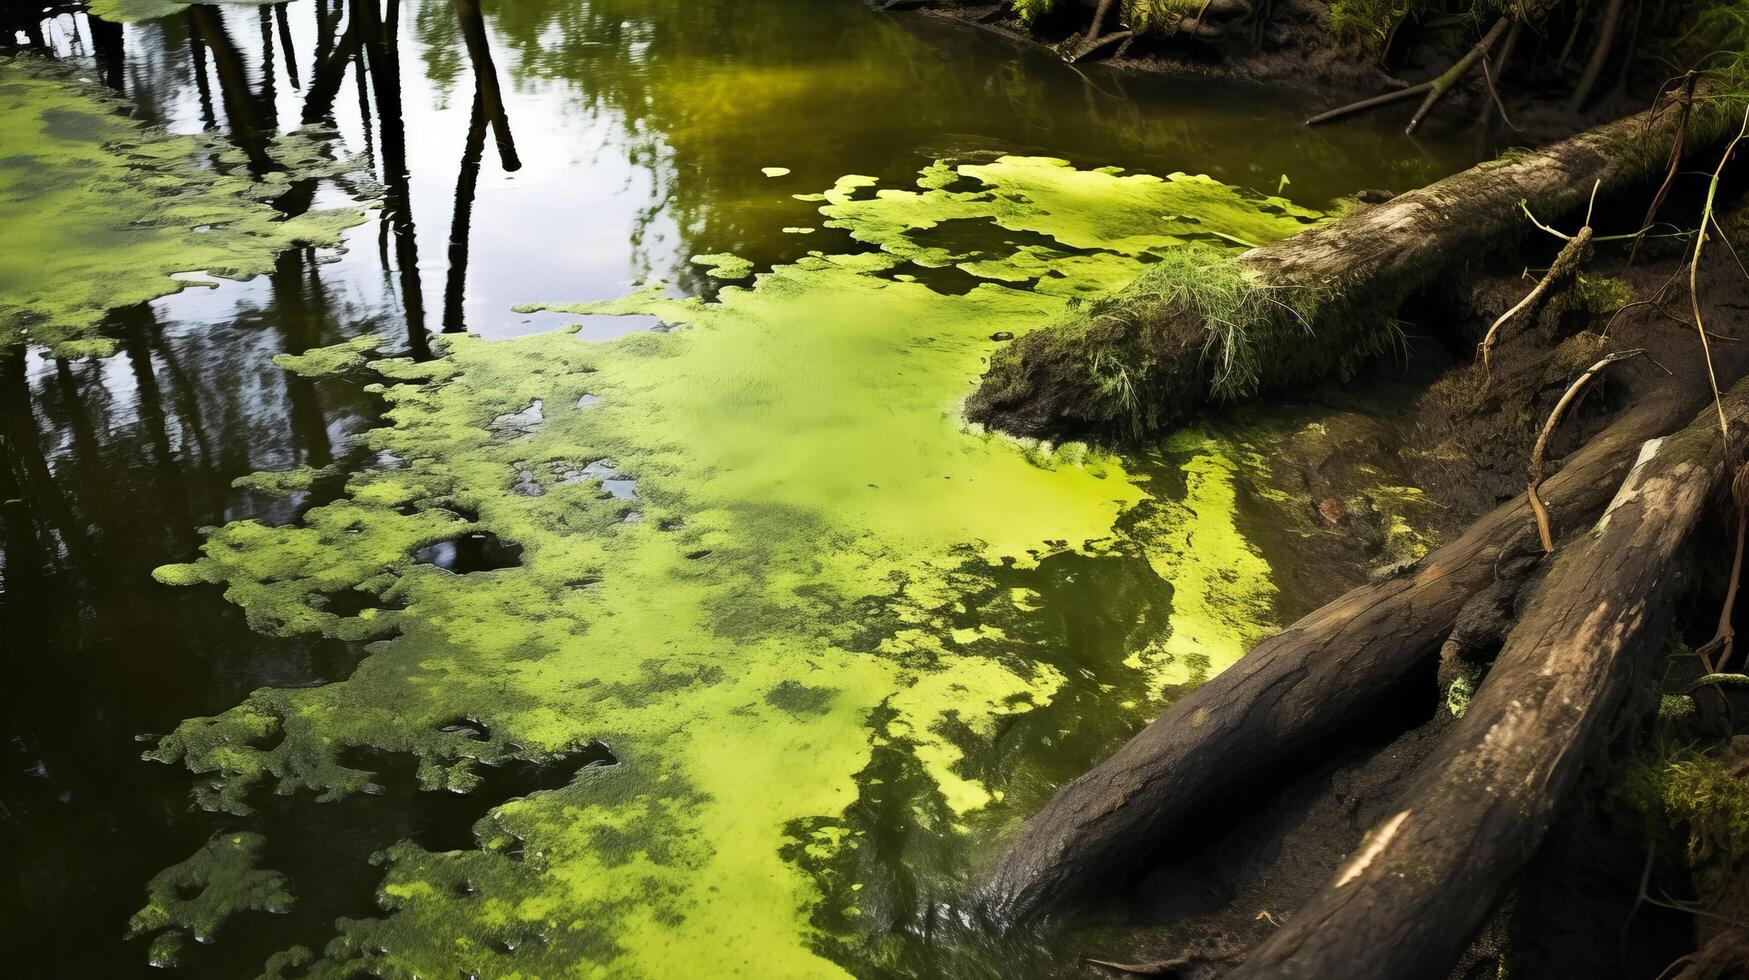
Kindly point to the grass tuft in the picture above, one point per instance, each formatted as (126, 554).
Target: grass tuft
(1203, 285)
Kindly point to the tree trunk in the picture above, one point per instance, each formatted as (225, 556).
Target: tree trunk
(1342, 281)
(1477, 809)
(1290, 694)
(1599, 56)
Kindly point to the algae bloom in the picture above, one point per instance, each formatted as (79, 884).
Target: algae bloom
(98, 211)
(758, 564)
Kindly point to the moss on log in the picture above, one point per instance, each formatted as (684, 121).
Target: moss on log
(1312, 306)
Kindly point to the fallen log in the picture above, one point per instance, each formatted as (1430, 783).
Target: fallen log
(1290, 695)
(1475, 810)
(1308, 307)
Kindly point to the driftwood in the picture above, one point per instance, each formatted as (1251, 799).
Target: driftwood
(1474, 811)
(1291, 695)
(1342, 280)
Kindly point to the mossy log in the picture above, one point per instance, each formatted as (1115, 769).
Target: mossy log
(1289, 698)
(1319, 302)
(1477, 808)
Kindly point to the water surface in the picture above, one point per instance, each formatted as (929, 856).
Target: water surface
(894, 671)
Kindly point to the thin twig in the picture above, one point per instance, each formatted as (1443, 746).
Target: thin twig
(1108, 39)
(1537, 506)
(1686, 101)
(1488, 76)
(1374, 102)
(1451, 76)
(1706, 217)
(1571, 255)
(1724, 638)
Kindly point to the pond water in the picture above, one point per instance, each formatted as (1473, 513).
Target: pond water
(703, 635)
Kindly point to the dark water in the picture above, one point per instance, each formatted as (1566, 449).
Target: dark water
(632, 136)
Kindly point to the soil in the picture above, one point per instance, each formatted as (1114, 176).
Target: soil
(1468, 447)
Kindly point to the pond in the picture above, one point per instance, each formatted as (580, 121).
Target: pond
(547, 541)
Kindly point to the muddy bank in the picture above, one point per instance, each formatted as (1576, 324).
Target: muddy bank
(1296, 44)
(1583, 898)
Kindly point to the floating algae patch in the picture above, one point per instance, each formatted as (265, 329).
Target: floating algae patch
(128, 11)
(812, 516)
(724, 265)
(98, 211)
(1080, 210)
(200, 894)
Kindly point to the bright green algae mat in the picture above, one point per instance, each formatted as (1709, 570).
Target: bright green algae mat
(98, 211)
(762, 560)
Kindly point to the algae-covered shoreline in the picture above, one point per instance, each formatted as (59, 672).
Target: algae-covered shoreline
(782, 577)
(726, 641)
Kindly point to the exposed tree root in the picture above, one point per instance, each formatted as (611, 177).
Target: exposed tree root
(1478, 807)
(1700, 240)
(1685, 105)
(1534, 492)
(1612, 14)
(1716, 652)
(1099, 45)
(1289, 696)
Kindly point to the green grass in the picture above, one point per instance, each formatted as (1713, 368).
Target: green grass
(1208, 286)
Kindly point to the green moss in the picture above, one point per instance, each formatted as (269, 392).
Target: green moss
(1600, 294)
(1239, 315)
(201, 893)
(1458, 695)
(1708, 802)
(98, 211)
(784, 591)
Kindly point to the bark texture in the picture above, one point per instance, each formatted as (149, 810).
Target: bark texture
(1342, 282)
(1476, 810)
(1287, 697)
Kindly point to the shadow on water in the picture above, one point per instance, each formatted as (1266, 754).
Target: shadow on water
(643, 127)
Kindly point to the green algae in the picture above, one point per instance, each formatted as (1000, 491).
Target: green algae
(1222, 595)
(98, 211)
(782, 593)
(130, 11)
(343, 358)
(1080, 211)
(724, 265)
(199, 895)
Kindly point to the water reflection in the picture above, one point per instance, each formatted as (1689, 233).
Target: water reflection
(641, 131)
